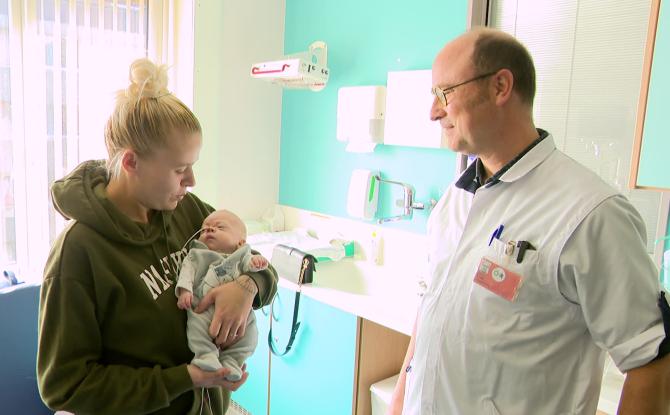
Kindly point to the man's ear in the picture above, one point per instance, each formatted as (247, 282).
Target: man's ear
(129, 161)
(503, 84)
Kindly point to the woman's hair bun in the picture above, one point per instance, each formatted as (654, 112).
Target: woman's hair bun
(147, 80)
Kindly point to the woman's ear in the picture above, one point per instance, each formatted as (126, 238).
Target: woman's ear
(129, 161)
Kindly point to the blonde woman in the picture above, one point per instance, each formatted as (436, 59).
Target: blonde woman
(111, 337)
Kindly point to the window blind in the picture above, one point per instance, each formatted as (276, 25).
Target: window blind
(588, 56)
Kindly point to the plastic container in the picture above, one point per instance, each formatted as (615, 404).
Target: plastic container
(380, 394)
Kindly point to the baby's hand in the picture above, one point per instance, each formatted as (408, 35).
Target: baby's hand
(185, 298)
(258, 262)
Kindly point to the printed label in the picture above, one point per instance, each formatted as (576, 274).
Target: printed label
(498, 280)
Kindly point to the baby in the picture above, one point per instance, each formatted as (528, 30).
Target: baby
(218, 256)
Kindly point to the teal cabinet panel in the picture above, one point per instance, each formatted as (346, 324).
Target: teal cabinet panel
(253, 395)
(317, 374)
(655, 146)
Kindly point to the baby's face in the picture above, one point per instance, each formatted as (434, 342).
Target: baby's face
(223, 232)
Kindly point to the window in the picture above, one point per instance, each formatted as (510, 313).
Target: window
(61, 62)
(588, 56)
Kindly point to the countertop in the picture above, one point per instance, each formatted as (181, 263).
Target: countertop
(359, 288)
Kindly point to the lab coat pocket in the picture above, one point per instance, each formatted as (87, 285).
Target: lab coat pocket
(528, 265)
(506, 293)
(508, 255)
(502, 268)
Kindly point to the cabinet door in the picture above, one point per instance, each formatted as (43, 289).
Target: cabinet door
(317, 375)
(253, 395)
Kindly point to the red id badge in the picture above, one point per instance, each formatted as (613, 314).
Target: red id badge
(498, 280)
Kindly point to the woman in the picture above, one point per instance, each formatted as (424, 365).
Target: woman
(111, 337)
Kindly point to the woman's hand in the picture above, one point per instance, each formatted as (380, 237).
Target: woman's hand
(206, 379)
(232, 304)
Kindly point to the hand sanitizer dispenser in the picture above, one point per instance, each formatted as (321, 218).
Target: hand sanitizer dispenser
(363, 194)
(360, 117)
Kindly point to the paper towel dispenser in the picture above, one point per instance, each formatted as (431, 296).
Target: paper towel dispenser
(360, 117)
(408, 103)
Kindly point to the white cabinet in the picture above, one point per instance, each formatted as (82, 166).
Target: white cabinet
(408, 102)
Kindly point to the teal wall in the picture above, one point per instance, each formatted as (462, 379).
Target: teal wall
(665, 278)
(366, 39)
(655, 150)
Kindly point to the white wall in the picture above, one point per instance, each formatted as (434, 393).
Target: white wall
(240, 116)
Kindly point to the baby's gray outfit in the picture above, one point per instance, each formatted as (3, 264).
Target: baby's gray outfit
(202, 270)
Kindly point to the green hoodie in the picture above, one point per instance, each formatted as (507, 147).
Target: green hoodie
(111, 338)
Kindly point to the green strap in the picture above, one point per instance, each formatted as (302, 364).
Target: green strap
(295, 324)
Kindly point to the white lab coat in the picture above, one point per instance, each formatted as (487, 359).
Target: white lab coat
(588, 288)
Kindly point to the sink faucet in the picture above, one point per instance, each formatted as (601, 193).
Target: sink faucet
(407, 203)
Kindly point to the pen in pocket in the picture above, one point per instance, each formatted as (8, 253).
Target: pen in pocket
(496, 233)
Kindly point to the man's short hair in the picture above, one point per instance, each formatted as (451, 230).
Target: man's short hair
(494, 51)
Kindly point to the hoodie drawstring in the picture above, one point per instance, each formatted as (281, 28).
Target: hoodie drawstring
(202, 400)
(175, 268)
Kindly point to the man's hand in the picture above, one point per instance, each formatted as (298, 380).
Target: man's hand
(395, 406)
(185, 299)
(205, 379)
(232, 304)
(398, 395)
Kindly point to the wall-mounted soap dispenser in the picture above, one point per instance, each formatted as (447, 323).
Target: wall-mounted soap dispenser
(363, 193)
(360, 117)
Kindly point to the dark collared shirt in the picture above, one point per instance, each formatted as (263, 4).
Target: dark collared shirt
(471, 179)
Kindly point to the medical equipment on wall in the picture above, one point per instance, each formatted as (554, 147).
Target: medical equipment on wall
(363, 197)
(304, 70)
(360, 117)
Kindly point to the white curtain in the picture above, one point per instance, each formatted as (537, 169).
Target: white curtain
(62, 62)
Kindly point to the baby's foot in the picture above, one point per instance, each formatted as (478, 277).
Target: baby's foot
(208, 361)
(235, 371)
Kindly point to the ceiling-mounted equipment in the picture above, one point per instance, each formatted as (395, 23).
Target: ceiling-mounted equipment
(304, 70)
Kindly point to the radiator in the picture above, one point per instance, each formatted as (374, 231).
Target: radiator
(236, 409)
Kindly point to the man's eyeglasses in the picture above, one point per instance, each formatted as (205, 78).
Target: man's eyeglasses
(441, 93)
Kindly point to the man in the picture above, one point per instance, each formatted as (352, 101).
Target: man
(537, 268)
